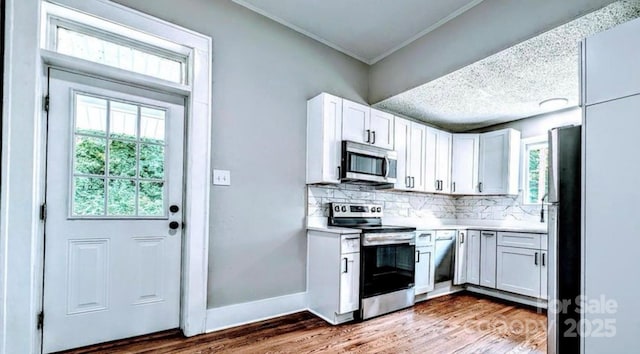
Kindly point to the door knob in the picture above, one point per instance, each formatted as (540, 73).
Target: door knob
(174, 208)
(174, 225)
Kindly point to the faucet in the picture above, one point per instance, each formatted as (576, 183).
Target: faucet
(542, 207)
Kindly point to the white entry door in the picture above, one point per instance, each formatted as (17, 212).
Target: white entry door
(114, 212)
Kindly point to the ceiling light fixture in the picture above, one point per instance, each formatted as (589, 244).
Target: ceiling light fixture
(554, 103)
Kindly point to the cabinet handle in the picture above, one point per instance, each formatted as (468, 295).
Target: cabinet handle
(413, 182)
(368, 135)
(535, 260)
(441, 184)
(339, 173)
(462, 234)
(374, 137)
(346, 265)
(407, 182)
(480, 187)
(543, 261)
(488, 234)
(453, 187)
(418, 256)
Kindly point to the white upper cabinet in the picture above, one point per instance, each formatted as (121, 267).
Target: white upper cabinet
(324, 136)
(611, 60)
(410, 144)
(499, 162)
(365, 125)
(464, 163)
(355, 122)
(381, 126)
(438, 164)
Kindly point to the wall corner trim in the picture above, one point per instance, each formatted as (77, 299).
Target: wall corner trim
(239, 314)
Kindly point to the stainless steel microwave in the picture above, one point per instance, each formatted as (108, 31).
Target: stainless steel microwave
(366, 163)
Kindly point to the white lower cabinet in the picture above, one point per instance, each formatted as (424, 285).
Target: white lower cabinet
(460, 273)
(350, 283)
(425, 270)
(333, 275)
(523, 264)
(519, 270)
(488, 244)
(473, 257)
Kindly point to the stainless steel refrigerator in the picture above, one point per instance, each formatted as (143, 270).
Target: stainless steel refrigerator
(564, 238)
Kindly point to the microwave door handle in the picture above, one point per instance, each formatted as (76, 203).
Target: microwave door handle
(386, 167)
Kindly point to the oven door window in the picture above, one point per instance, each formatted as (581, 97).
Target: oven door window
(368, 165)
(387, 268)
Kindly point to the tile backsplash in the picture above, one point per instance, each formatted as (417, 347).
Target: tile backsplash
(424, 206)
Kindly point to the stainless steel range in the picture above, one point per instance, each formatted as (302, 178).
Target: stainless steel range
(387, 258)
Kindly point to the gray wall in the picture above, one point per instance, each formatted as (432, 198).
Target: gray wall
(474, 35)
(263, 74)
(540, 125)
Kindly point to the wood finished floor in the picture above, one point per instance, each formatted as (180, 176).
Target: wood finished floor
(462, 323)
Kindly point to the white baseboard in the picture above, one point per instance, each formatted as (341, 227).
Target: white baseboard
(239, 314)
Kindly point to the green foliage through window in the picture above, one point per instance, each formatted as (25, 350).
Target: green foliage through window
(537, 169)
(132, 183)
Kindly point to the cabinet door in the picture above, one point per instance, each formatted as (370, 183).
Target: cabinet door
(544, 275)
(431, 160)
(417, 156)
(519, 270)
(324, 135)
(425, 264)
(402, 139)
(464, 163)
(494, 160)
(460, 273)
(350, 282)
(381, 125)
(612, 69)
(443, 162)
(473, 257)
(355, 122)
(488, 258)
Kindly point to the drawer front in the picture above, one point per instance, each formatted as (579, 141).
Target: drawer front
(446, 233)
(520, 239)
(425, 238)
(350, 243)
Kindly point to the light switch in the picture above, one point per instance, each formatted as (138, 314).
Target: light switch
(222, 177)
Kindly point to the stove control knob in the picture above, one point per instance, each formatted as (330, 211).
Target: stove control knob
(379, 210)
(337, 208)
(344, 209)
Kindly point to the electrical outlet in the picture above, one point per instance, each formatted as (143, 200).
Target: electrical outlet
(222, 177)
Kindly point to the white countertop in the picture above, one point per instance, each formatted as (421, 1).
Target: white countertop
(320, 224)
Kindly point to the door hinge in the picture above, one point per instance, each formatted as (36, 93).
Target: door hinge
(43, 212)
(40, 319)
(45, 103)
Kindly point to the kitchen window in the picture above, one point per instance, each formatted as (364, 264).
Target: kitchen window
(535, 169)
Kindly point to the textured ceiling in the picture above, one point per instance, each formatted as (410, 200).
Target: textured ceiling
(368, 30)
(510, 84)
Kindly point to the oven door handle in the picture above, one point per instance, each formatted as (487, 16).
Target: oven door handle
(409, 242)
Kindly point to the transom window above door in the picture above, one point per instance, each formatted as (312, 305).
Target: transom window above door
(118, 158)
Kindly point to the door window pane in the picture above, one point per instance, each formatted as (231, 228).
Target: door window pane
(152, 125)
(151, 161)
(91, 115)
(122, 158)
(90, 155)
(123, 120)
(122, 197)
(151, 199)
(88, 196)
(132, 161)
